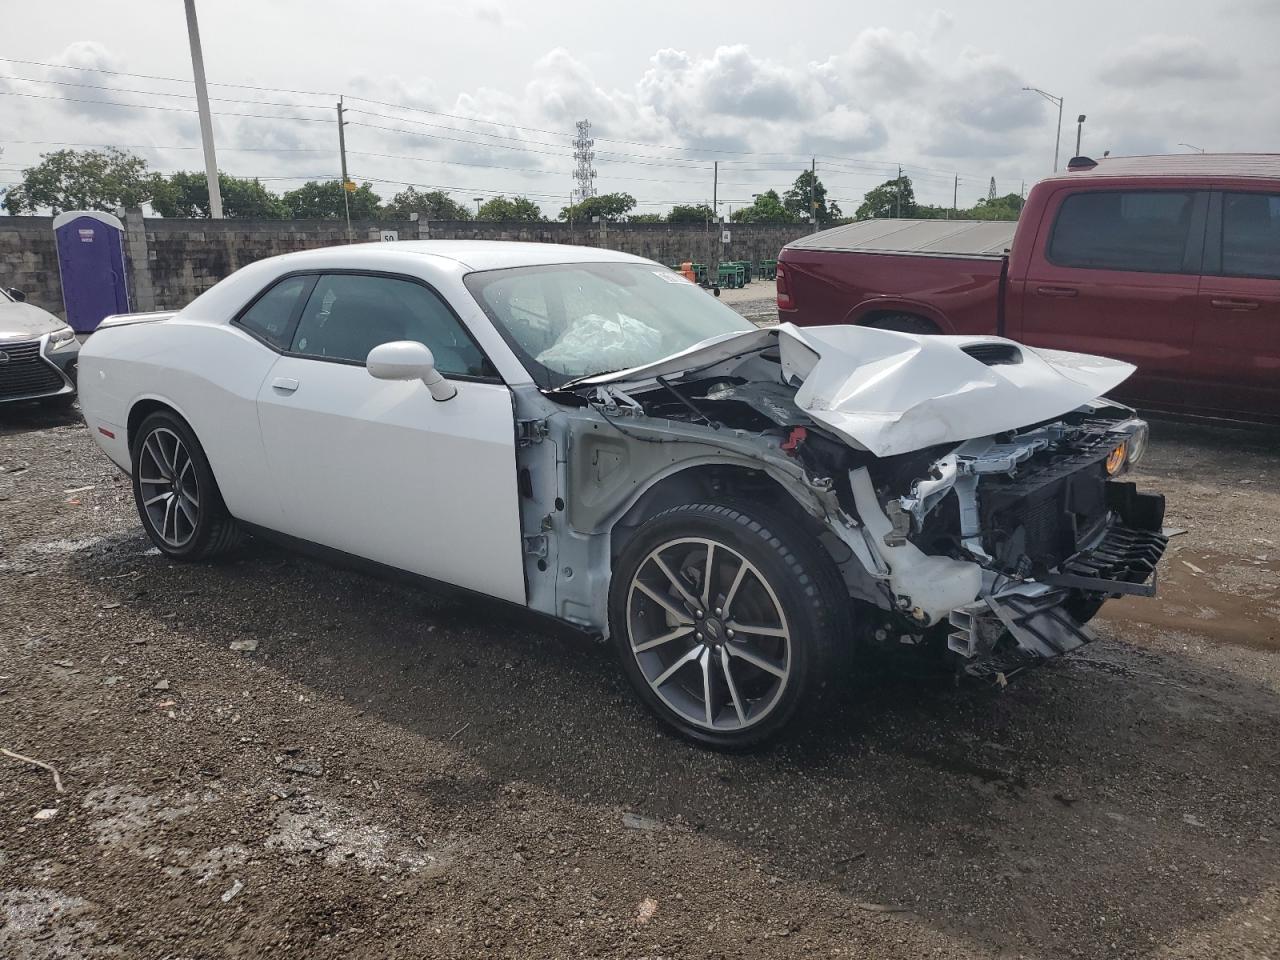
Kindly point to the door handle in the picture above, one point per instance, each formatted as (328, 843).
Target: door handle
(1234, 304)
(284, 384)
(1057, 291)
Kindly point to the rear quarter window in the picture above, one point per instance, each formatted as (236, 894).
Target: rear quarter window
(1139, 230)
(1251, 235)
(268, 317)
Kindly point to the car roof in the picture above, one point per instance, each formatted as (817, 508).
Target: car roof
(476, 254)
(1261, 166)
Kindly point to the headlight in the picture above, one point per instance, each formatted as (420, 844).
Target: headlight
(61, 338)
(1138, 444)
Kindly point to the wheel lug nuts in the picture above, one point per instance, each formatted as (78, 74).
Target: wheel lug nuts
(699, 614)
(697, 636)
(719, 612)
(729, 634)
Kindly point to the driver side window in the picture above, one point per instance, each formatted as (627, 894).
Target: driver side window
(347, 315)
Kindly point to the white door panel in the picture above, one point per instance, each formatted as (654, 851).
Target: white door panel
(380, 470)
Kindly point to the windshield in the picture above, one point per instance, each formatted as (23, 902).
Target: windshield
(573, 320)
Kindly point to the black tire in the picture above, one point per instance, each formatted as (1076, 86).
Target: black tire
(805, 585)
(903, 323)
(215, 531)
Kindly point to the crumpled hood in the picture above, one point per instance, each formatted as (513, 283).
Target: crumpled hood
(25, 321)
(893, 393)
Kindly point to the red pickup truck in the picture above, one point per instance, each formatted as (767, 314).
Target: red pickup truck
(1171, 263)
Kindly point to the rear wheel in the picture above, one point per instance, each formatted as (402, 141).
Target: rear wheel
(726, 620)
(173, 487)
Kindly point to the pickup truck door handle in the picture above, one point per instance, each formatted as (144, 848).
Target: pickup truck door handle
(1234, 304)
(1057, 291)
(284, 384)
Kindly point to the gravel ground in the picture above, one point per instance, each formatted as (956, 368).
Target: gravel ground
(271, 757)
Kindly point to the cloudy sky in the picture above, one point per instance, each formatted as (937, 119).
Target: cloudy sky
(480, 98)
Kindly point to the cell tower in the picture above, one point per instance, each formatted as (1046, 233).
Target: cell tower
(991, 191)
(584, 175)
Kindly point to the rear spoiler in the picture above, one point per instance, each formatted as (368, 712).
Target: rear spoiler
(125, 319)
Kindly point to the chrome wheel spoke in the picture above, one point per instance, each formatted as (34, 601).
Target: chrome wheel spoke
(675, 581)
(665, 603)
(756, 661)
(705, 661)
(672, 670)
(706, 576)
(733, 688)
(757, 630)
(186, 510)
(743, 569)
(664, 638)
(156, 499)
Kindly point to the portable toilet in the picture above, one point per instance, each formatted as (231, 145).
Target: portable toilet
(91, 264)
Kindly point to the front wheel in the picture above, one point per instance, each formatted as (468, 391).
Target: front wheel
(177, 498)
(726, 620)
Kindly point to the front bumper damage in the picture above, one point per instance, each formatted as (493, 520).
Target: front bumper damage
(1037, 616)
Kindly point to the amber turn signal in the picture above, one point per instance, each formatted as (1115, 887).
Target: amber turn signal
(1115, 459)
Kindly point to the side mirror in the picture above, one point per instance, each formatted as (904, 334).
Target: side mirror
(409, 360)
(18, 295)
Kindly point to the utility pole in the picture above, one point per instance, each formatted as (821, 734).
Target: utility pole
(342, 153)
(206, 121)
(955, 197)
(897, 206)
(813, 192)
(713, 269)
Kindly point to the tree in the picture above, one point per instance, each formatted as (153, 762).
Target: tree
(1008, 207)
(323, 201)
(433, 205)
(606, 206)
(893, 198)
(692, 213)
(807, 196)
(646, 218)
(186, 194)
(517, 208)
(83, 180)
(767, 208)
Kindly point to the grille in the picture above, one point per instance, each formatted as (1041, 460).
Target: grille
(26, 373)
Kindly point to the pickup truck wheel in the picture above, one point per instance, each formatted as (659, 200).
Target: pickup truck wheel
(175, 492)
(726, 619)
(903, 323)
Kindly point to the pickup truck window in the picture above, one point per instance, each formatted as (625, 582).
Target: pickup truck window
(1141, 230)
(1251, 235)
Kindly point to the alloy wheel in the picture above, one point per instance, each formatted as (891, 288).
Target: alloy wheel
(709, 634)
(168, 487)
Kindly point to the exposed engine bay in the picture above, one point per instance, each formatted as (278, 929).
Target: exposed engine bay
(999, 546)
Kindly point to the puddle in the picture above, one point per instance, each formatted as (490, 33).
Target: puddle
(1231, 599)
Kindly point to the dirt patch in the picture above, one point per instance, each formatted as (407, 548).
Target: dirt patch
(388, 773)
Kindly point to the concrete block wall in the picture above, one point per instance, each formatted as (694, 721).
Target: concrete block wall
(173, 261)
(29, 261)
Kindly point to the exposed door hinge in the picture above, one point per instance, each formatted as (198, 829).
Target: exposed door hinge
(531, 431)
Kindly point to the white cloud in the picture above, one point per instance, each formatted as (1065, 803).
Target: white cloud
(1159, 59)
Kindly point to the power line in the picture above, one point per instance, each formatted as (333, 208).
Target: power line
(164, 93)
(153, 106)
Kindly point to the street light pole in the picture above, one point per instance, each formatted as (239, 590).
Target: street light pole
(477, 200)
(1192, 146)
(1057, 143)
(202, 106)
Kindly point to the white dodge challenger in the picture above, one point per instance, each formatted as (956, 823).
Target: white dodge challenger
(742, 512)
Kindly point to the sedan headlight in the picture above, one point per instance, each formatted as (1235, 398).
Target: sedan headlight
(61, 338)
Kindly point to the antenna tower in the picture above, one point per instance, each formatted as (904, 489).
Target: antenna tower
(584, 174)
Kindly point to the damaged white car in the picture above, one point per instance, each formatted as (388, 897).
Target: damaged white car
(585, 434)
